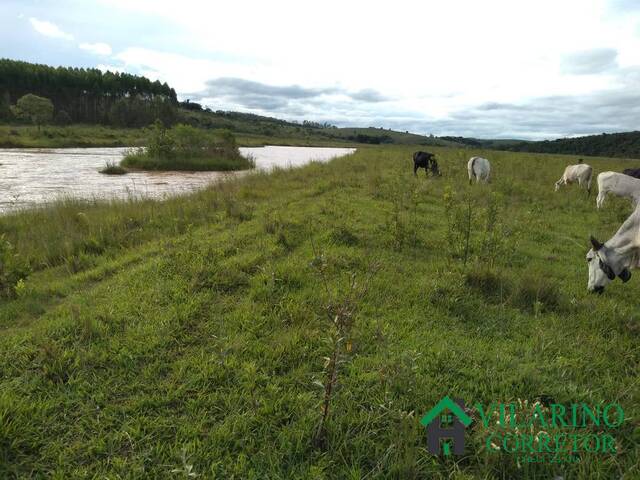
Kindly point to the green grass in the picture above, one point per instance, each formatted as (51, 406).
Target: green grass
(14, 136)
(152, 339)
(112, 168)
(142, 160)
(21, 136)
(248, 133)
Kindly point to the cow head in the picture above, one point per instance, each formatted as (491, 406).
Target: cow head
(604, 266)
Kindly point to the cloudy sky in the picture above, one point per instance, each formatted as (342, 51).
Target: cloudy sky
(489, 69)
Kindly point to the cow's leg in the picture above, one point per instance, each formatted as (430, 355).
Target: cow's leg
(559, 184)
(415, 169)
(600, 199)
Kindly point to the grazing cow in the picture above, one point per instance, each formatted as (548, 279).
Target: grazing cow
(632, 172)
(617, 256)
(427, 161)
(478, 168)
(580, 173)
(618, 184)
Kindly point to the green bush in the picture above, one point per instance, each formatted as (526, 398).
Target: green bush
(62, 118)
(112, 168)
(12, 270)
(184, 147)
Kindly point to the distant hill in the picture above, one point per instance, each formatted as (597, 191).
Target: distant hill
(491, 144)
(90, 96)
(249, 123)
(622, 145)
(124, 100)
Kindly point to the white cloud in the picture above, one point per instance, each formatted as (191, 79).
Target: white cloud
(49, 29)
(97, 48)
(430, 61)
(110, 68)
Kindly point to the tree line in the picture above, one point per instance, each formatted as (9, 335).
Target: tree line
(625, 145)
(88, 95)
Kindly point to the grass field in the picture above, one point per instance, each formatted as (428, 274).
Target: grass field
(20, 136)
(199, 334)
(23, 136)
(14, 136)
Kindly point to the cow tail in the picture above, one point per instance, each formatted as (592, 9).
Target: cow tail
(473, 167)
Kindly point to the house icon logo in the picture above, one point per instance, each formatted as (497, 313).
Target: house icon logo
(445, 424)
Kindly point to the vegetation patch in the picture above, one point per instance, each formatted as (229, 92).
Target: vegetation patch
(260, 325)
(492, 285)
(187, 148)
(112, 168)
(536, 294)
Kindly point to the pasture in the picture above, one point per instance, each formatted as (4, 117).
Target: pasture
(200, 334)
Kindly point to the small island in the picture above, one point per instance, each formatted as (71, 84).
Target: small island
(187, 148)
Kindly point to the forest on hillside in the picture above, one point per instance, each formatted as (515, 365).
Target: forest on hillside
(89, 95)
(621, 145)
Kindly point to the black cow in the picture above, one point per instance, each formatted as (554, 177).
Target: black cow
(632, 172)
(427, 161)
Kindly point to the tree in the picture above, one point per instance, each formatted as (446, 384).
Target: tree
(5, 106)
(89, 95)
(37, 110)
(62, 118)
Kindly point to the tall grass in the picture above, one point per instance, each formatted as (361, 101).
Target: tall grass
(158, 339)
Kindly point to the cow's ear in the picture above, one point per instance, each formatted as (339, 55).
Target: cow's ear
(596, 244)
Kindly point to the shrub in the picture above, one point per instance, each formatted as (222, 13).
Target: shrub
(491, 284)
(37, 110)
(12, 270)
(111, 168)
(62, 118)
(188, 148)
(536, 294)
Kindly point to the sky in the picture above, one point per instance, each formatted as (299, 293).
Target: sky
(488, 69)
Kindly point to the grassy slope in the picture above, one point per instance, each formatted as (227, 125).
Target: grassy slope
(98, 136)
(399, 138)
(256, 125)
(190, 332)
(249, 130)
(72, 136)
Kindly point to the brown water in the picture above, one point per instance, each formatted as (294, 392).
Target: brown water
(30, 177)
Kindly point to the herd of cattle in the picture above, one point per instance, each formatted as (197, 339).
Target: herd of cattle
(606, 261)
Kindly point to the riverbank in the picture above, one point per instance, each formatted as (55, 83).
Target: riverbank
(32, 177)
(74, 136)
(151, 337)
(80, 136)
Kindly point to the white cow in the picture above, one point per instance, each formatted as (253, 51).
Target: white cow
(479, 168)
(616, 256)
(580, 173)
(618, 184)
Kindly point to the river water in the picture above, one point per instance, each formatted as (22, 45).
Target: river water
(30, 177)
